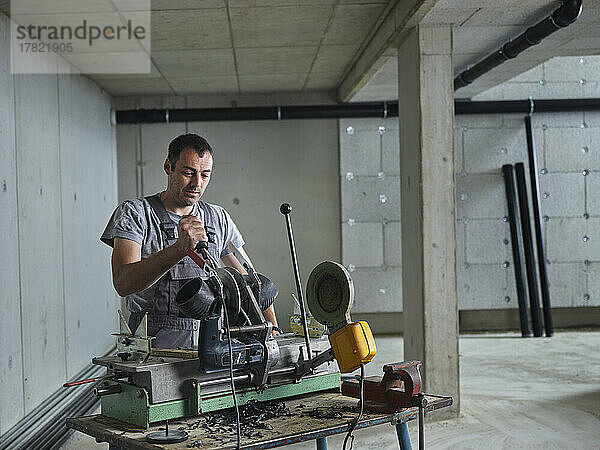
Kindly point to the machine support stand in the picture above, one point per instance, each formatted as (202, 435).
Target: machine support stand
(403, 436)
(322, 443)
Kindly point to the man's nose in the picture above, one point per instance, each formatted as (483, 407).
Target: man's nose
(196, 179)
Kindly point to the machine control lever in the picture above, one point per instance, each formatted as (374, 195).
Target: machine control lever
(286, 209)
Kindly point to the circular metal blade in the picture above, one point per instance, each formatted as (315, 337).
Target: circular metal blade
(330, 293)
(232, 283)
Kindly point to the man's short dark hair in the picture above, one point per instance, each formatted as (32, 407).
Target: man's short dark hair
(184, 141)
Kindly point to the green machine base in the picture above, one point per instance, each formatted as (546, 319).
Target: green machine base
(132, 404)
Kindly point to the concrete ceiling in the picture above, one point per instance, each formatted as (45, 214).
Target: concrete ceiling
(346, 46)
(481, 27)
(260, 46)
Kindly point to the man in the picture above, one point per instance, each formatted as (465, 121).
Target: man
(151, 236)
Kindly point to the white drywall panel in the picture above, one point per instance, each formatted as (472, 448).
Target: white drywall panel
(40, 236)
(88, 169)
(11, 363)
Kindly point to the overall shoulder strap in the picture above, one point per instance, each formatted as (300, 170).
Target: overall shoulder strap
(166, 224)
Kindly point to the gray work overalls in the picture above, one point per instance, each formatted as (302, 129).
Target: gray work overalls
(171, 328)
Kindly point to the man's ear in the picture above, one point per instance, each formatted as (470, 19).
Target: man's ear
(167, 166)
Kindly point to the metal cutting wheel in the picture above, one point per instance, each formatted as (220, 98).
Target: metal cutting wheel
(330, 293)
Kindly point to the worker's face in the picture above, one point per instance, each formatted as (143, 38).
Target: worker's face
(190, 176)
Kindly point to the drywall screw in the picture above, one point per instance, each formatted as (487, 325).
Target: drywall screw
(585, 238)
(505, 264)
(349, 176)
(381, 129)
(350, 130)
(544, 171)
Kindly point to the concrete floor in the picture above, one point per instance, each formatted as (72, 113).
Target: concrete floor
(516, 394)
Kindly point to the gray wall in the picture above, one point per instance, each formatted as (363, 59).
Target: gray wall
(58, 178)
(258, 165)
(370, 186)
(568, 146)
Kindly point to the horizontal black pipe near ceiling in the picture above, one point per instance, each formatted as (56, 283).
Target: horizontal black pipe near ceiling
(346, 110)
(562, 17)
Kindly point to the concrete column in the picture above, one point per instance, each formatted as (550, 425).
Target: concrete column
(426, 115)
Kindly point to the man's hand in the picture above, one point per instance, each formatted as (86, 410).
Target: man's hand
(190, 231)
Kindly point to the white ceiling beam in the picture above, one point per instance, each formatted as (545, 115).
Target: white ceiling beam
(400, 18)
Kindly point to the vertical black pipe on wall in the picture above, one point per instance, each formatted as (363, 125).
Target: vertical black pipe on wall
(515, 239)
(534, 300)
(537, 220)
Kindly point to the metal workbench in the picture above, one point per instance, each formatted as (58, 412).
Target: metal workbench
(301, 425)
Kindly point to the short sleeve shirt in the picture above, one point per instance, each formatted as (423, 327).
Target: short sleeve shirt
(136, 220)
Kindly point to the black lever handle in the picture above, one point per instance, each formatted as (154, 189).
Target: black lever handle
(202, 245)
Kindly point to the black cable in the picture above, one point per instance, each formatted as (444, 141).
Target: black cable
(237, 410)
(361, 404)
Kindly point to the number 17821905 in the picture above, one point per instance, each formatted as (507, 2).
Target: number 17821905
(43, 47)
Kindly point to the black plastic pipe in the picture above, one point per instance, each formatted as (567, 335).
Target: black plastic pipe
(339, 111)
(346, 110)
(562, 17)
(527, 106)
(532, 287)
(537, 220)
(515, 239)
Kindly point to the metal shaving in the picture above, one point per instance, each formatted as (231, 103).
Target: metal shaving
(253, 416)
(326, 413)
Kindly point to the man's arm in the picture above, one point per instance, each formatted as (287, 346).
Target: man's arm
(132, 274)
(231, 261)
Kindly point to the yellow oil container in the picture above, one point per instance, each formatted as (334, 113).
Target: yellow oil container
(353, 345)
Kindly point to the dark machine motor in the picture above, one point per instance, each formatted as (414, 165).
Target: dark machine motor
(234, 313)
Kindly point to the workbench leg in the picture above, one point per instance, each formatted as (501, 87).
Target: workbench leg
(403, 436)
(322, 443)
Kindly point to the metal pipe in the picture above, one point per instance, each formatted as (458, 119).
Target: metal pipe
(529, 253)
(246, 329)
(539, 234)
(246, 378)
(53, 409)
(349, 110)
(515, 239)
(286, 209)
(107, 390)
(562, 17)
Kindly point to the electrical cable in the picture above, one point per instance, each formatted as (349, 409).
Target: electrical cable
(361, 404)
(235, 405)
